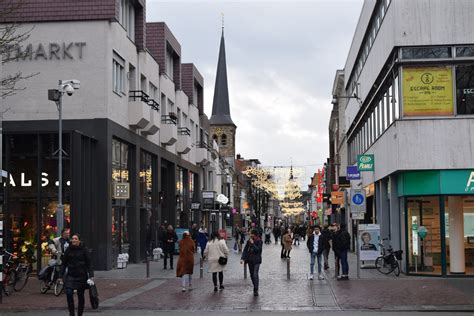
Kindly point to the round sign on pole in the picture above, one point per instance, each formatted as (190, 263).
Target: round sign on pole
(358, 199)
(422, 232)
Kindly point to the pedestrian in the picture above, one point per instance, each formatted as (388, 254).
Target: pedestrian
(58, 245)
(76, 271)
(169, 241)
(276, 233)
(216, 248)
(241, 239)
(287, 242)
(316, 247)
(194, 234)
(161, 234)
(185, 267)
(202, 240)
(342, 243)
(237, 236)
(252, 256)
(337, 261)
(296, 235)
(268, 233)
(326, 235)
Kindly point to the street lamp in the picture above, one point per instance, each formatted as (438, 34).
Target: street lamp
(56, 95)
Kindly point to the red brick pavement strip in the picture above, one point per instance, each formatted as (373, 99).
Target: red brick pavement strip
(30, 297)
(407, 294)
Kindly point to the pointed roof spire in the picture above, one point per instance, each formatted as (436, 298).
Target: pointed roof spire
(220, 106)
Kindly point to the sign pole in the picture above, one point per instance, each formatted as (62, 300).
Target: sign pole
(357, 249)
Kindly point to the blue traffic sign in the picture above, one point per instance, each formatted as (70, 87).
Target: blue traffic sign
(358, 199)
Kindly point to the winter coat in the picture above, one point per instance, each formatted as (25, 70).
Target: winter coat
(186, 257)
(202, 239)
(76, 267)
(341, 241)
(287, 241)
(326, 234)
(214, 250)
(310, 244)
(169, 240)
(252, 253)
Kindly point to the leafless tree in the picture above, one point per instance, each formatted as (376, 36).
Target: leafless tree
(11, 38)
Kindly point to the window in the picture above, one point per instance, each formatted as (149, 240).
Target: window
(163, 103)
(465, 89)
(178, 114)
(191, 123)
(170, 106)
(224, 140)
(169, 65)
(426, 52)
(127, 18)
(466, 51)
(185, 121)
(118, 76)
(195, 95)
(153, 91)
(214, 138)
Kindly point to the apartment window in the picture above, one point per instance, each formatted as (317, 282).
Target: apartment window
(170, 106)
(185, 121)
(153, 91)
(191, 124)
(127, 18)
(178, 114)
(426, 52)
(163, 103)
(195, 95)
(169, 65)
(465, 89)
(118, 75)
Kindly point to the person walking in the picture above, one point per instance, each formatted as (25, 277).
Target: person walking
(276, 233)
(296, 235)
(287, 242)
(169, 241)
(202, 240)
(216, 248)
(76, 270)
(252, 256)
(194, 234)
(343, 244)
(315, 246)
(335, 249)
(185, 267)
(326, 235)
(268, 233)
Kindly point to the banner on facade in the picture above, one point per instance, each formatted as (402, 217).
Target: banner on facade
(369, 238)
(352, 173)
(337, 198)
(427, 91)
(365, 163)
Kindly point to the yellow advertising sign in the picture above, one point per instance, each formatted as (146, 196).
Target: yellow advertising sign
(427, 91)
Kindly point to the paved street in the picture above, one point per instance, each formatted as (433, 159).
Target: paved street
(128, 290)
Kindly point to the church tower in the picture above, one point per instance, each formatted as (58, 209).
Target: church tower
(222, 127)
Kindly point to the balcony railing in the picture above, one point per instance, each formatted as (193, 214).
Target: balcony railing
(139, 95)
(171, 118)
(184, 131)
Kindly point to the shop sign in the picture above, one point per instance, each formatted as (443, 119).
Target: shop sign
(195, 206)
(49, 51)
(365, 162)
(337, 198)
(369, 236)
(121, 191)
(357, 201)
(353, 173)
(427, 91)
(422, 232)
(24, 181)
(208, 202)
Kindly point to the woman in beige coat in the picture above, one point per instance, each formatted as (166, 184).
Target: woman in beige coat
(215, 249)
(287, 242)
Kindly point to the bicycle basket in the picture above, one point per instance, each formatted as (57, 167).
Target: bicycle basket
(398, 254)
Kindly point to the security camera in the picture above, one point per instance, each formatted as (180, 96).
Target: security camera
(69, 89)
(76, 84)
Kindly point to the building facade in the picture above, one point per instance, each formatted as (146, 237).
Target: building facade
(135, 136)
(408, 75)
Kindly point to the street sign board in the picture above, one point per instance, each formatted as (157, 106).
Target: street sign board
(365, 162)
(353, 173)
(195, 206)
(121, 190)
(208, 202)
(337, 198)
(357, 201)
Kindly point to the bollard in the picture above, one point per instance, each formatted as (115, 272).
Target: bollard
(288, 268)
(201, 268)
(245, 270)
(147, 265)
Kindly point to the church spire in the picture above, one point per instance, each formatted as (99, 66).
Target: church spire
(220, 106)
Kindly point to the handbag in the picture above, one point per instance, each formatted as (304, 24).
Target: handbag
(222, 261)
(94, 296)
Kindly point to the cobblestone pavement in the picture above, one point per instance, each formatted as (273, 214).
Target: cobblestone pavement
(129, 290)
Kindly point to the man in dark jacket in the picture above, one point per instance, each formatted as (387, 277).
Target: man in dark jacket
(315, 246)
(252, 256)
(341, 245)
(326, 235)
(276, 233)
(170, 238)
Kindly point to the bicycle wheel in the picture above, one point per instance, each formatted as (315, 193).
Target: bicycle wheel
(44, 287)
(22, 278)
(396, 268)
(10, 282)
(58, 288)
(382, 266)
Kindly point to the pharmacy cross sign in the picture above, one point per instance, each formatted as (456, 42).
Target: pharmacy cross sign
(365, 162)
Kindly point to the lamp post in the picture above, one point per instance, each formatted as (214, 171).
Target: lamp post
(56, 95)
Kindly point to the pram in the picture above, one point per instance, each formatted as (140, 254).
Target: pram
(267, 239)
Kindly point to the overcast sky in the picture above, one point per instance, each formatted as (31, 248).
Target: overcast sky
(282, 57)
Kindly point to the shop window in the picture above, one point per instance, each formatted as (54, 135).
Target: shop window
(466, 51)
(426, 52)
(465, 89)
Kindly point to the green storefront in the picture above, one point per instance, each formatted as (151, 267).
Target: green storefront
(439, 221)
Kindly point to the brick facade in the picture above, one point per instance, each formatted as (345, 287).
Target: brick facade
(227, 151)
(191, 76)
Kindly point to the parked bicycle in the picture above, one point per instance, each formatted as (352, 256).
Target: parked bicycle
(388, 261)
(23, 270)
(9, 272)
(49, 278)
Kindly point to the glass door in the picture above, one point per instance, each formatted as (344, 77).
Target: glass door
(424, 235)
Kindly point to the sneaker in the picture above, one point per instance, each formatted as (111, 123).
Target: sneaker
(320, 277)
(190, 287)
(164, 268)
(215, 288)
(255, 292)
(311, 276)
(183, 289)
(221, 287)
(345, 277)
